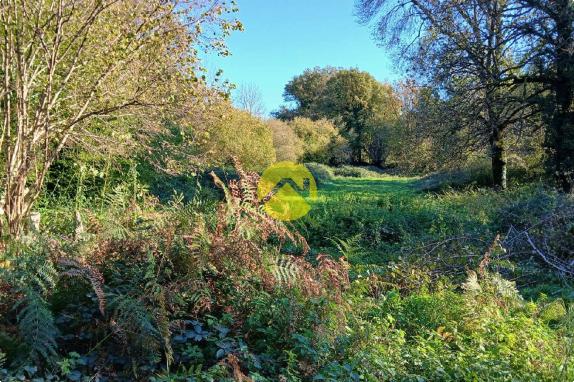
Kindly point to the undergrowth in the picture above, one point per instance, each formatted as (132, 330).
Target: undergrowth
(381, 281)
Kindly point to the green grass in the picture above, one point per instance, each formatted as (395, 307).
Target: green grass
(387, 213)
(377, 221)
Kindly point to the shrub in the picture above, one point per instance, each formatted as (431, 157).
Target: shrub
(236, 134)
(486, 333)
(288, 145)
(476, 174)
(322, 173)
(321, 141)
(348, 172)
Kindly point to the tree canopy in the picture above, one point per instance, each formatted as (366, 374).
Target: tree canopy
(353, 99)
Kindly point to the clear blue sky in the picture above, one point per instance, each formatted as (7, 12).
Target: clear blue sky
(282, 38)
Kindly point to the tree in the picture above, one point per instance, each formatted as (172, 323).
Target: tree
(321, 140)
(303, 139)
(66, 62)
(250, 99)
(551, 38)
(469, 50)
(357, 100)
(306, 91)
(417, 139)
(434, 132)
(288, 146)
(377, 139)
(351, 98)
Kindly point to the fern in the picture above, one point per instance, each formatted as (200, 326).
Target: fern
(157, 295)
(201, 298)
(134, 324)
(88, 273)
(37, 328)
(2, 359)
(45, 278)
(505, 289)
(471, 285)
(350, 248)
(32, 276)
(30, 268)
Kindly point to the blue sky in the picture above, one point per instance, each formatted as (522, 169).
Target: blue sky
(282, 38)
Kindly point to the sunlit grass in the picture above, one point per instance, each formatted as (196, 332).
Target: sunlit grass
(390, 215)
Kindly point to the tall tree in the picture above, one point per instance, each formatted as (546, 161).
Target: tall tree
(306, 92)
(551, 37)
(250, 99)
(355, 100)
(65, 62)
(358, 101)
(468, 49)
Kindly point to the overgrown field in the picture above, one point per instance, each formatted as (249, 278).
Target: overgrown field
(134, 244)
(383, 280)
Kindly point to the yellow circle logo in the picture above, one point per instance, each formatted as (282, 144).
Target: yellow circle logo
(284, 188)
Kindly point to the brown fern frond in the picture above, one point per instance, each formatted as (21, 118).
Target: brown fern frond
(247, 184)
(240, 250)
(488, 255)
(232, 362)
(335, 274)
(88, 273)
(161, 317)
(245, 208)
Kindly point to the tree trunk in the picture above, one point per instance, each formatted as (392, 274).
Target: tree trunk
(498, 153)
(358, 154)
(16, 206)
(359, 145)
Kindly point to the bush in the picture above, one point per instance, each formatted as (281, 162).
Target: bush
(236, 134)
(347, 172)
(288, 146)
(322, 173)
(321, 141)
(478, 175)
(486, 333)
(303, 139)
(358, 172)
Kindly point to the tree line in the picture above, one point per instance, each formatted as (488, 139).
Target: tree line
(492, 77)
(497, 65)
